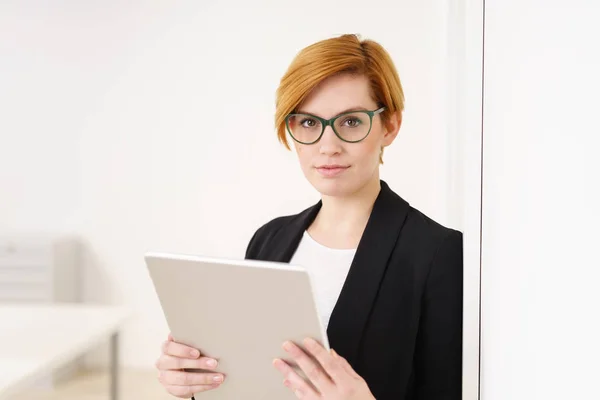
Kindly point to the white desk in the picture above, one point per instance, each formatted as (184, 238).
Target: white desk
(38, 338)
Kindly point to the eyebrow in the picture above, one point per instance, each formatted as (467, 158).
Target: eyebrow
(358, 108)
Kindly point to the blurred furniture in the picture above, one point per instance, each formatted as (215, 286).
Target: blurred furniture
(36, 339)
(39, 268)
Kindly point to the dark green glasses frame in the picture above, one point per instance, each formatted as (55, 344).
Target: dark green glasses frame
(330, 122)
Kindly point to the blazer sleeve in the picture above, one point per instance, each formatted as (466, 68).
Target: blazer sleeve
(438, 352)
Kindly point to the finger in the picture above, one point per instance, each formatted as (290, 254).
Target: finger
(313, 371)
(166, 362)
(330, 364)
(346, 365)
(185, 392)
(294, 382)
(182, 378)
(179, 350)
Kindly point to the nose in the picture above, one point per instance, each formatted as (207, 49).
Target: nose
(330, 144)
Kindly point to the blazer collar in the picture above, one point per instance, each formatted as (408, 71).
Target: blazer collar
(353, 307)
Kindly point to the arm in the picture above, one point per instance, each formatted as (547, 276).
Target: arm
(438, 356)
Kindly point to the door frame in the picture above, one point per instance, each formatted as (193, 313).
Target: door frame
(465, 44)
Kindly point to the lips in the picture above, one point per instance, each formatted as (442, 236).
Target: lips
(332, 166)
(330, 170)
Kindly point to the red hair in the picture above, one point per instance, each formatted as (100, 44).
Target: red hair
(344, 54)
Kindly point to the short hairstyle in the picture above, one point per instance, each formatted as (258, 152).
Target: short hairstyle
(339, 55)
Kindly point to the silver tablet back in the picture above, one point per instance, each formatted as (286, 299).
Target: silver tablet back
(239, 312)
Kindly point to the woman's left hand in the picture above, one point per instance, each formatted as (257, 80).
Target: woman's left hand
(332, 375)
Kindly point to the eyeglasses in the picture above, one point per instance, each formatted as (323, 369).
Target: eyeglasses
(350, 127)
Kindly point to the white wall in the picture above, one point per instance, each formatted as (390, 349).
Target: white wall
(149, 126)
(540, 337)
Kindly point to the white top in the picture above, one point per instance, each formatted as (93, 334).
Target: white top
(327, 268)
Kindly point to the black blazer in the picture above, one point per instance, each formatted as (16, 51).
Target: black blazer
(398, 319)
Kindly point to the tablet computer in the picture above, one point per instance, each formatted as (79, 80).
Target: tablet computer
(239, 312)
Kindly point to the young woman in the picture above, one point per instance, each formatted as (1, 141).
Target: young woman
(387, 277)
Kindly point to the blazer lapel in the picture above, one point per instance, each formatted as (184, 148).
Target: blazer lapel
(351, 312)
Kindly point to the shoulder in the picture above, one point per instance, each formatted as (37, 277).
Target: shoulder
(422, 236)
(437, 247)
(416, 224)
(418, 228)
(428, 228)
(269, 230)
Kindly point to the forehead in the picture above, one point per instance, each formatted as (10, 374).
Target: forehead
(337, 94)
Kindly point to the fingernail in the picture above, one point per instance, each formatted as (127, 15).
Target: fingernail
(218, 378)
(212, 363)
(287, 346)
(277, 363)
(310, 342)
(195, 353)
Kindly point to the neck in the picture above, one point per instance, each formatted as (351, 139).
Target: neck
(348, 215)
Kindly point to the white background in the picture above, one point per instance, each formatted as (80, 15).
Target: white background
(150, 127)
(540, 280)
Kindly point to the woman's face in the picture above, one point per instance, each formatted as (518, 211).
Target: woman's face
(332, 166)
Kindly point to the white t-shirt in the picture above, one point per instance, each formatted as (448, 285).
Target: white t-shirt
(328, 269)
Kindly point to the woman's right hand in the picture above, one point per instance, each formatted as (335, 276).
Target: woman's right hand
(174, 359)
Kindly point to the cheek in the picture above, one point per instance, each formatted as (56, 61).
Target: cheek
(368, 151)
(304, 155)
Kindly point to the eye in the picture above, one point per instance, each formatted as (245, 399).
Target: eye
(308, 123)
(352, 122)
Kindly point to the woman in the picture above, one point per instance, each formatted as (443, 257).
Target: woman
(387, 277)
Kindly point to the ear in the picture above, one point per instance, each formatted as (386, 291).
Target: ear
(392, 127)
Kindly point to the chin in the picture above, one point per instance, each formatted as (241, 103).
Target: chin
(334, 187)
(344, 185)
